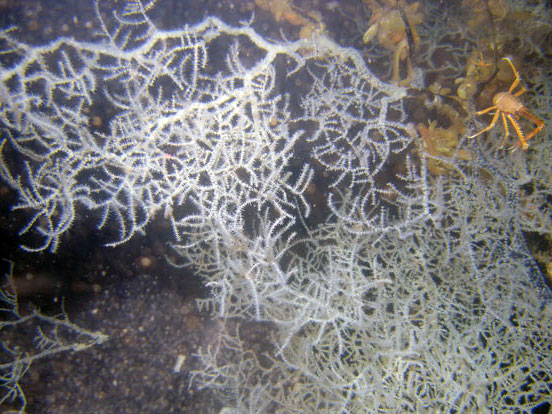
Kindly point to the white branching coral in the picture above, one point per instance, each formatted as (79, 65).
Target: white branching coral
(412, 294)
(52, 334)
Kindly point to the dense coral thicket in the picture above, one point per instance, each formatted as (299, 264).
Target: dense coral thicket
(410, 293)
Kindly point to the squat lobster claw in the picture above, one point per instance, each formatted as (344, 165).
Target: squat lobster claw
(510, 108)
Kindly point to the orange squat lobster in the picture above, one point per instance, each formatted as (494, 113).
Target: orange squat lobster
(510, 108)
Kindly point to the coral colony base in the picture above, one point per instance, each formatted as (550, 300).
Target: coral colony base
(413, 293)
